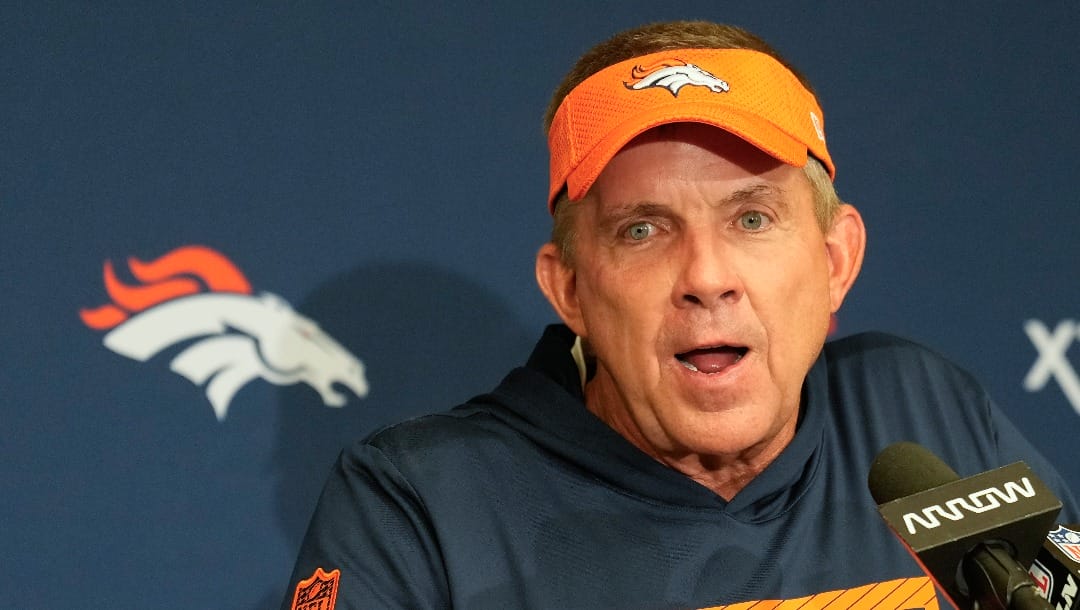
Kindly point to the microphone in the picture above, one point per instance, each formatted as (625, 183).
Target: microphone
(1056, 570)
(975, 536)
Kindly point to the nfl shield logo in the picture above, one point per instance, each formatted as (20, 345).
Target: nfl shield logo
(1066, 540)
(318, 592)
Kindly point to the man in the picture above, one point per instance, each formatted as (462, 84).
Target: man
(687, 439)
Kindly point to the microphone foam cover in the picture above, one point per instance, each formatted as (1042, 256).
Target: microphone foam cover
(906, 468)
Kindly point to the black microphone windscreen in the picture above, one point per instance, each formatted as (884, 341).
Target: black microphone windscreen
(903, 469)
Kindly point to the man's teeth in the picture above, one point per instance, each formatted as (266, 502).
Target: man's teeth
(684, 359)
(689, 365)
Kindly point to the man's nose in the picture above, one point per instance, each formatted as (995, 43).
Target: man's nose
(707, 273)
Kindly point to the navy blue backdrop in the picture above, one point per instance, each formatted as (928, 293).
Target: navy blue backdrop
(380, 168)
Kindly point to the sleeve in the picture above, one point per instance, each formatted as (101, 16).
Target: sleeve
(1013, 446)
(370, 543)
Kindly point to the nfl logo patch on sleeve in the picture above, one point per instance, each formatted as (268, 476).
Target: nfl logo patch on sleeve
(318, 592)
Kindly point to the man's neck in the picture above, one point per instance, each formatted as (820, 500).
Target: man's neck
(724, 474)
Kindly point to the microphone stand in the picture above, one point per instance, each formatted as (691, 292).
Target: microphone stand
(995, 581)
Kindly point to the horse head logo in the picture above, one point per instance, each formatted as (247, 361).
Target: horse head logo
(673, 76)
(195, 299)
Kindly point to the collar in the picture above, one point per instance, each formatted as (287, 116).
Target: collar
(547, 396)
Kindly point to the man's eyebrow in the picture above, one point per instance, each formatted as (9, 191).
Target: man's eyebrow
(756, 192)
(637, 208)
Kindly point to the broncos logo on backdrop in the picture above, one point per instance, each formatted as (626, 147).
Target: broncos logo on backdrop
(674, 75)
(197, 297)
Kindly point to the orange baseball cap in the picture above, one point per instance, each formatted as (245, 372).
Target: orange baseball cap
(745, 92)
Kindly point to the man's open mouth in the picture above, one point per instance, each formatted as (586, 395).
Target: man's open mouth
(710, 360)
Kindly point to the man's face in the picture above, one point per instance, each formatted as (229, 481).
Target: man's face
(704, 286)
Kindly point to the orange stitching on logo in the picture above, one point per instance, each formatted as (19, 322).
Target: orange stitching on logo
(318, 592)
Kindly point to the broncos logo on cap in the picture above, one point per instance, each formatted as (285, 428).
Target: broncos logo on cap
(197, 297)
(673, 77)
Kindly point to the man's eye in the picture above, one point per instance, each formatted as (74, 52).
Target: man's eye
(640, 230)
(753, 221)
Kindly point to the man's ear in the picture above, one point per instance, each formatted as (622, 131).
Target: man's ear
(845, 243)
(558, 282)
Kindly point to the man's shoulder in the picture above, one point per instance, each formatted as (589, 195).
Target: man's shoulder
(453, 428)
(875, 343)
(879, 349)
(886, 362)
